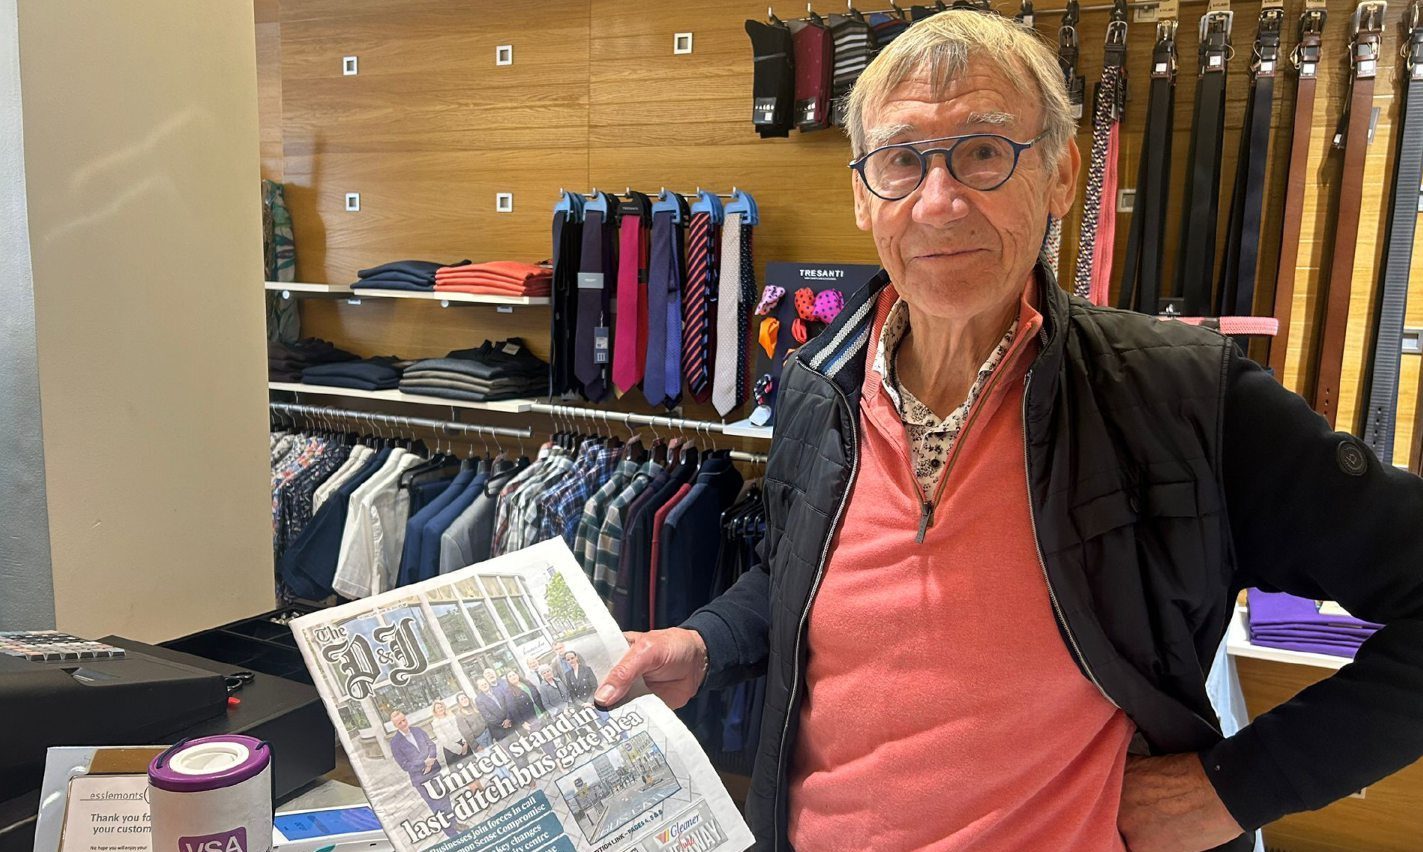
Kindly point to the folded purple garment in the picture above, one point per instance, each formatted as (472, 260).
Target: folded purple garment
(1271, 608)
(1334, 650)
(1328, 633)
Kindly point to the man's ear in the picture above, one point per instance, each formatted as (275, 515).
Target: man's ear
(862, 202)
(1064, 181)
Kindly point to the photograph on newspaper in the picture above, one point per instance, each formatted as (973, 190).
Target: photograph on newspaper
(465, 706)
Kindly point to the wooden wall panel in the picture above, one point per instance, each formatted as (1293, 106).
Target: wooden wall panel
(1389, 817)
(684, 122)
(430, 129)
(269, 87)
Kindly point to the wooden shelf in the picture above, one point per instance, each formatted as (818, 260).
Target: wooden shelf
(507, 406)
(1237, 644)
(744, 429)
(287, 288)
(293, 288)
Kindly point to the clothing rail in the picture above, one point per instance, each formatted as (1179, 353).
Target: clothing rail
(678, 424)
(444, 426)
(627, 418)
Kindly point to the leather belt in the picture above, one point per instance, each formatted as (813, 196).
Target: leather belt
(1110, 100)
(1236, 296)
(1067, 56)
(1198, 227)
(1306, 58)
(1141, 279)
(1367, 31)
(1382, 410)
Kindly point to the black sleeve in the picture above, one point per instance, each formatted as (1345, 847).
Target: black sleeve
(736, 627)
(1314, 513)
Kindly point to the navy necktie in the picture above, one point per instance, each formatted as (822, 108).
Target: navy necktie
(591, 370)
(660, 278)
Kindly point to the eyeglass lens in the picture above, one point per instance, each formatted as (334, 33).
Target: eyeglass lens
(978, 162)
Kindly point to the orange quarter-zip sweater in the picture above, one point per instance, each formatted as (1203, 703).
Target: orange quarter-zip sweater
(943, 710)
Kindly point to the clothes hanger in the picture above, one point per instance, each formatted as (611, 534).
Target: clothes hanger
(710, 204)
(851, 11)
(743, 203)
(570, 203)
(812, 17)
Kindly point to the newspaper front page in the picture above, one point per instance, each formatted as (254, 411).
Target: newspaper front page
(465, 705)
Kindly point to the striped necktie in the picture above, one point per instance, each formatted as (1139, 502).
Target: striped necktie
(697, 340)
(724, 379)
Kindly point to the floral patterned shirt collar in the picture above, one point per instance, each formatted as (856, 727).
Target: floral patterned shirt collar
(931, 439)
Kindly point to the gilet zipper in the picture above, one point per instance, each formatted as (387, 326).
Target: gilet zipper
(1042, 563)
(814, 588)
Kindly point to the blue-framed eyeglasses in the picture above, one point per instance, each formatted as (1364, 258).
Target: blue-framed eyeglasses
(981, 161)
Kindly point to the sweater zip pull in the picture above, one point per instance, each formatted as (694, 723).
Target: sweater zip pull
(926, 517)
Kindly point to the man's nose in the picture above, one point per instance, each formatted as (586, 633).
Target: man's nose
(941, 198)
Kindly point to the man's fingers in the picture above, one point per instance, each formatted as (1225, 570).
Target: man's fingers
(635, 663)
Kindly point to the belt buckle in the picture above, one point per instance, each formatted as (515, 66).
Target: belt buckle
(1368, 17)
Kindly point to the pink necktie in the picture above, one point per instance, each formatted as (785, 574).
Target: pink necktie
(629, 339)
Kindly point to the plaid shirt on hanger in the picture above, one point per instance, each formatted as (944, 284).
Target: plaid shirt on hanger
(585, 544)
(610, 537)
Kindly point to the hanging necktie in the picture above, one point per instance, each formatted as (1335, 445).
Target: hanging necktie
(697, 339)
(1110, 99)
(1236, 294)
(567, 248)
(1198, 226)
(1382, 409)
(630, 337)
(672, 357)
(746, 299)
(662, 381)
(729, 357)
(1306, 59)
(1146, 239)
(1353, 138)
(595, 273)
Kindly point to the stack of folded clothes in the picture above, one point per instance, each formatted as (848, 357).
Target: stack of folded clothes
(496, 278)
(381, 373)
(1279, 620)
(493, 371)
(285, 361)
(418, 275)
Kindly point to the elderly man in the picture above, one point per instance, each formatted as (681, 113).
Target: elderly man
(1005, 529)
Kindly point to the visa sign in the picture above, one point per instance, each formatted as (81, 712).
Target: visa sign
(227, 841)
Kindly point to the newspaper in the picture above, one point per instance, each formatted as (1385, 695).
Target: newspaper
(465, 706)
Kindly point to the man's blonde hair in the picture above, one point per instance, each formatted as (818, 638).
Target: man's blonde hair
(941, 47)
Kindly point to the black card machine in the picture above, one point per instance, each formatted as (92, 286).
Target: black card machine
(57, 689)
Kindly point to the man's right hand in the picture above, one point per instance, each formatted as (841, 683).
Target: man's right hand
(672, 662)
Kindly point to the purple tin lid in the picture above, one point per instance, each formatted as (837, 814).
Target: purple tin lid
(208, 763)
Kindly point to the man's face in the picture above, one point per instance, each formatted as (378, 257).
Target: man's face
(951, 251)
(401, 723)
(490, 676)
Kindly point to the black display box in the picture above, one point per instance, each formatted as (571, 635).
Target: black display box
(279, 706)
